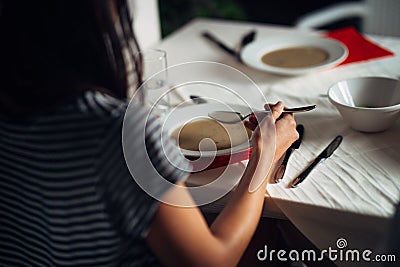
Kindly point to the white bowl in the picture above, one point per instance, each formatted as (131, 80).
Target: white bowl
(367, 104)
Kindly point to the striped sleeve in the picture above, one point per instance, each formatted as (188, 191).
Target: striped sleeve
(131, 209)
(164, 154)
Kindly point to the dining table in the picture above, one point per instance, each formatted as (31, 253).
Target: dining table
(351, 196)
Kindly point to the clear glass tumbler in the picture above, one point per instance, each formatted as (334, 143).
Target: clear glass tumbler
(155, 77)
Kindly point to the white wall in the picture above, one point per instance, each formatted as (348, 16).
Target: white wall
(146, 21)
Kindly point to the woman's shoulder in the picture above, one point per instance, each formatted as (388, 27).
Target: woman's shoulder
(101, 104)
(111, 110)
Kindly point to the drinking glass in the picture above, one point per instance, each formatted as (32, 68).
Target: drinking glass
(155, 77)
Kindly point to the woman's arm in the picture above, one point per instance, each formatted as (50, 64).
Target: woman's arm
(181, 237)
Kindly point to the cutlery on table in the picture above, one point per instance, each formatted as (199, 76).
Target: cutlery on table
(246, 39)
(326, 153)
(282, 168)
(231, 117)
(197, 99)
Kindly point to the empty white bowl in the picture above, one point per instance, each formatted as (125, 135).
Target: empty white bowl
(367, 104)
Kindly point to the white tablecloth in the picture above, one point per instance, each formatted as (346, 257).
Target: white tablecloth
(350, 195)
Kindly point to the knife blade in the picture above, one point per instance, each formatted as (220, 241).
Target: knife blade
(326, 153)
(282, 168)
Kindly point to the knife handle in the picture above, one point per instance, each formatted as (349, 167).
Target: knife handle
(213, 39)
(197, 99)
(287, 156)
(280, 172)
(306, 172)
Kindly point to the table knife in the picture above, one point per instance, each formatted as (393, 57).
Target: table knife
(220, 44)
(326, 153)
(246, 39)
(282, 168)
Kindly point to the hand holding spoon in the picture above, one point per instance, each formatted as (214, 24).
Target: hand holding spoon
(231, 117)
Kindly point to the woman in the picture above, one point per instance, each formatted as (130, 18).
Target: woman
(66, 194)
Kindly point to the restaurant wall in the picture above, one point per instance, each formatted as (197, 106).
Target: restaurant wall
(175, 13)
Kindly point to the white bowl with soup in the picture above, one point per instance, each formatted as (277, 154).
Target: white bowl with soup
(294, 54)
(192, 136)
(193, 130)
(367, 104)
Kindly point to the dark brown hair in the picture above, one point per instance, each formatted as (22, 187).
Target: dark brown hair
(52, 51)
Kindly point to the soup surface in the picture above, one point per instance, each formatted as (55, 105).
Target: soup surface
(295, 57)
(224, 136)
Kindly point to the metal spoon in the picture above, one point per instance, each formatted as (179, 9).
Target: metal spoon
(231, 117)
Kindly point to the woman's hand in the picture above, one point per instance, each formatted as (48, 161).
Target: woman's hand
(285, 127)
(177, 234)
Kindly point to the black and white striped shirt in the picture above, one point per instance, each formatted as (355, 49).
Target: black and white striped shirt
(66, 195)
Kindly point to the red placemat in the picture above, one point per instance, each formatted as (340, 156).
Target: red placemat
(360, 48)
(224, 160)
